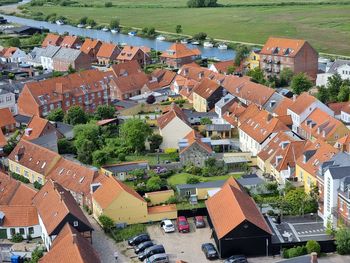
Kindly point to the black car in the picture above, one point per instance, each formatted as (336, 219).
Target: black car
(156, 249)
(142, 246)
(210, 251)
(236, 259)
(138, 239)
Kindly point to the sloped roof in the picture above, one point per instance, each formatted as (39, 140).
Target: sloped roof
(206, 88)
(69, 41)
(131, 83)
(126, 68)
(283, 106)
(302, 102)
(230, 207)
(19, 215)
(110, 189)
(197, 73)
(164, 77)
(194, 137)
(37, 126)
(223, 66)
(108, 50)
(343, 143)
(52, 39)
(175, 111)
(6, 117)
(282, 46)
(8, 52)
(70, 247)
(3, 140)
(179, 50)
(129, 52)
(68, 54)
(90, 44)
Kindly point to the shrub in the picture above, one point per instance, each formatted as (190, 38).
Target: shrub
(342, 241)
(313, 246)
(66, 147)
(17, 238)
(106, 222)
(121, 157)
(170, 150)
(297, 251)
(20, 178)
(128, 232)
(37, 185)
(36, 255)
(172, 200)
(192, 180)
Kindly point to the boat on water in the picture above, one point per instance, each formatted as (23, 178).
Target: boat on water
(80, 25)
(184, 41)
(105, 29)
(161, 38)
(208, 44)
(132, 33)
(222, 46)
(123, 44)
(195, 43)
(88, 27)
(114, 30)
(59, 22)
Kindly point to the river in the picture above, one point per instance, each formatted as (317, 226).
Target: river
(118, 38)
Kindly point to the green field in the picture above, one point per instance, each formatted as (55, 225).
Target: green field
(325, 26)
(181, 178)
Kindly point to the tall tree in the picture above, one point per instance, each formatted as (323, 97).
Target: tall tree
(114, 23)
(333, 85)
(104, 112)
(56, 115)
(257, 75)
(344, 93)
(155, 141)
(322, 94)
(134, 132)
(242, 52)
(301, 83)
(76, 115)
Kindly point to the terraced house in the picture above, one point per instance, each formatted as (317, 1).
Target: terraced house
(86, 89)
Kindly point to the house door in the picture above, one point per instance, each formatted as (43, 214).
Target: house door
(3, 234)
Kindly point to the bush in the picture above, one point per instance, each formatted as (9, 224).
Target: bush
(17, 238)
(106, 222)
(192, 180)
(313, 246)
(297, 251)
(128, 232)
(122, 157)
(172, 200)
(20, 178)
(66, 147)
(170, 150)
(36, 255)
(200, 36)
(342, 241)
(37, 185)
(108, 4)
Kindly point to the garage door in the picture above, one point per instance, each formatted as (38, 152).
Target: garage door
(3, 234)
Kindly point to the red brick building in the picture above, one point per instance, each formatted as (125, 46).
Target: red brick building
(178, 55)
(140, 54)
(87, 89)
(107, 53)
(280, 53)
(91, 47)
(67, 57)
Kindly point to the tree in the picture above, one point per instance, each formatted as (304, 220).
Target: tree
(138, 174)
(108, 4)
(155, 140)
(76, 115)
(286, 76)
(242, 52)
(83, 20)
(299, 202)
(71, 70)
(151, 99)
(342, 241)
(84, 151)
(201, 3)
(205, 121)
(99, 157)
(322, 94)
(192, 180)
(200, 36)
(231, 70)
(333, 85)
(344, 93)
(104, 112)
(257, 75)
(87, 140)
(151, 31)
(313, 246)
(106, 222)
(154, 183)
(178, 29)
(114, 23)
(91, 22)
(66, 147)
(56, 115)
(134, 133)
(301, 83)
(13, 42)
(36, 255)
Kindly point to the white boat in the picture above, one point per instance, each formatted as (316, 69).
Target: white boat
(222, 46)
(195, 43)
(132, 33)
(105, 29)
(80, 25)
(208, 44)
(88, 27)
(114, 31)
(59, 22)
(161, 38)
(123, 44)
(184, 41)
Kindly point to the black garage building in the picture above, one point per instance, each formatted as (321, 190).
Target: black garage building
(238, 226)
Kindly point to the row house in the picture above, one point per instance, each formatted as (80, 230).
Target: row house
(257, 131)
(8, 100)
(47, 55)
(86, 89)
(71, 42)
(295, 54)
(52, 40)
(139, 54)
(341, 111)
(91, 47)
(7, 53)
(3, 142)
(178, 55)
(107, 54)
(206, 94)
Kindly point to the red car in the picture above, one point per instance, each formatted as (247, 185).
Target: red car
(182, 224)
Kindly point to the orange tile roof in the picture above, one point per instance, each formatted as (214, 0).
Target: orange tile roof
(3, 140)
(321, 125)
(206, 88)
(320, 152)
(282, 46)
(286, 119)
(337, 106)
(70, 247)
(161, 209)
(129, 52)
(35, 128)
(178, 50)
(109, 191)
(19, 215)
(230, 207)
(250, 111)
(54, 204)
(343, 144)
(130, 83)
(174, 111)
(194, 137)
(8, 52)
(164, 77)
(34, 157)
(108, 50)
(69, 41)
(302, 102)
(52, 39)
(260, 126)
(126, 68)
(223, 66)
(283, 106)
(196, 73)
(90, 44)
(6, 118)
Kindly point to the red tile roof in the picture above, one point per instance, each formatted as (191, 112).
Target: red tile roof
(69, 41)
(130, 83)
(109, 191)
(194, 137)
(223, 66)
(108, 50)
(283, 106)
(337, 107)
(164, 77)
(6, 118)
(8, 52)
(19, 215)
(196, 73)
(302, 102)
(232, 206)
(70, 247)
(129, 52)
(35, 128)
(126, 68)
(206, 88)
(174, 111)
(178, 50)
(90, 44)
(162, 209)
(52, 39)
(3, 140)
(343, 144)
(282, 46)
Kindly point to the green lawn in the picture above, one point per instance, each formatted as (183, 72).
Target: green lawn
(151, 158)
(327, 27)
(181, 178)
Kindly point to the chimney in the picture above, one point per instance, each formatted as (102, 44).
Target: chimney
(74, 236)
(313, 257)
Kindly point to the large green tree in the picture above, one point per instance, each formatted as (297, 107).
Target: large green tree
(114, 23)
(301, 83)
(342, 241)
(154, 183)
(76, 115)
(104, 112)
(56, 115)
(155, 140)
(344, 93)
(242, 51)
(134, 133)
(333, 85)
(257, 75)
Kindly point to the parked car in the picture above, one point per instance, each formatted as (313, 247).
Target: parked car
(138, 239)
(167, 226)
(156, 249)
(236, 259)
(142, 246)
(199, 221)
(157, 258)
(182, 224)
(209, 251)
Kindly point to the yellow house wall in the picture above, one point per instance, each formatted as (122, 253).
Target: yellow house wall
(20, 169)
(202, 193)
(265, 166)
(96, 209)
(305, 177)
(199, 103)
(253, 63)
(161, 216)
(157, 198)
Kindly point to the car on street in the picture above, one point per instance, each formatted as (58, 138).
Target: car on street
(182, 224)
(134, 241)
(142, 246)
(236, 259)
(199, 221)
(157, 258)
(209, 251)
(156, 249)
(167, 226)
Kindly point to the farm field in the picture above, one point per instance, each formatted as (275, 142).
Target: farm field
(326, 26)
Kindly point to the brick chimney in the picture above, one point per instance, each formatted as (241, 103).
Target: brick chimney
(313, 257)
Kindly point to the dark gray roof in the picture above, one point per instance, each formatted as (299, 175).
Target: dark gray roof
(339, 172)
(340, 159)
(4, 91)
(218, 127)
(49, 141)
(50, 51)
(67, 54)
(22, 119)
(273, 102)
(194, 114)
(336, 64)
(65, 129)
(213, 184)
(127, 167)
(250, 180)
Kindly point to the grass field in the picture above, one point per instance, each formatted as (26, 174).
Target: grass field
(181, 178)
(326, 27)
